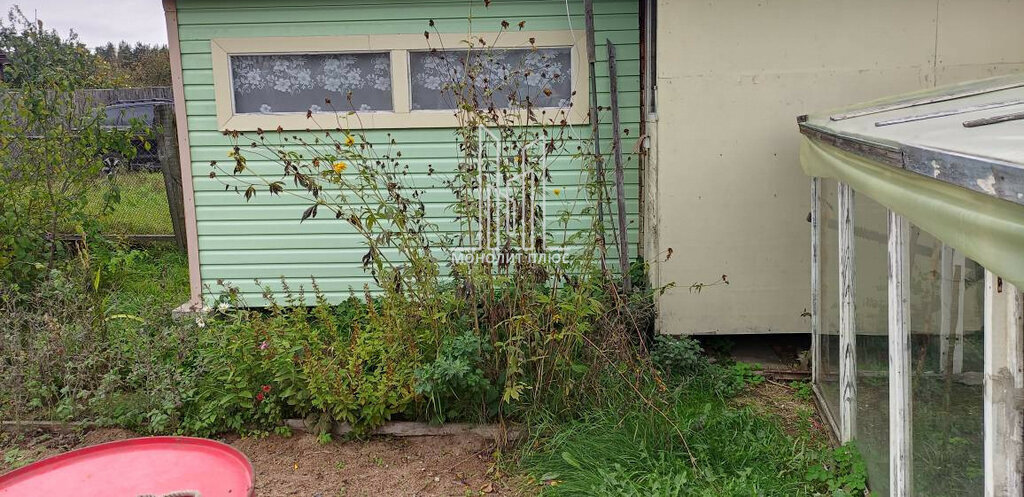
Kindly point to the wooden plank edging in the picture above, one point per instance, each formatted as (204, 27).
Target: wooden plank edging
(392, 428)
(51, 426)
(420, 429)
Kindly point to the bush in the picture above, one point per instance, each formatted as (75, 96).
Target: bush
(363, 362)
(454, 385)
(678, 355)
(258, 368)
(51, 340)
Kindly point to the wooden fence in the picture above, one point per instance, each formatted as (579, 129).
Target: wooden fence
(167, 147)
(99, 97)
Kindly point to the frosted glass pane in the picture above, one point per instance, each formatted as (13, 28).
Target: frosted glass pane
(497, 78)
(300, 82)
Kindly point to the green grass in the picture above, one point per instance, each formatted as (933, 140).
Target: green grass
(148, 282)
(142, 206)
(948, 436)
(145, 381)
(622, 447)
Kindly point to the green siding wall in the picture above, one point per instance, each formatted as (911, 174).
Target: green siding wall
(240, 242)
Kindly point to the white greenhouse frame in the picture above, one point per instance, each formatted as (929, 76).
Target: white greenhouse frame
(949, 160)
(1003, 345)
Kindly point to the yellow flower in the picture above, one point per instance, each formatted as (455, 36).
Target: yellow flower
(231, 153)
(558, 191)
(349, 141)
(339, 167)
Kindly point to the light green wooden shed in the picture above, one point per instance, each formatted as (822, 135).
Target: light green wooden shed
(232, 241)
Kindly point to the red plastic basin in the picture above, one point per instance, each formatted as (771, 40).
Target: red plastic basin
(139, 466)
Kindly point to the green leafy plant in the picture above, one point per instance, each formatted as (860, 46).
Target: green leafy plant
(841, 472)
(454, 384)
(678, 355)
(14, 458)
(734, 378)
(802, 390)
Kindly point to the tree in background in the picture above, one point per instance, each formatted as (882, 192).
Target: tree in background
(42, 53)
(39, 54)
(139, 64)
(51, 144)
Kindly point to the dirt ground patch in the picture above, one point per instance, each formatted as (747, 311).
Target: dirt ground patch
(798, 416)
(300, 466)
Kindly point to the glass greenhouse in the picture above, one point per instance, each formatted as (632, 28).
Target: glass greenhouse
(917, 254)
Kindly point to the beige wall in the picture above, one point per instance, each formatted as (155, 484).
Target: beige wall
(732, 77)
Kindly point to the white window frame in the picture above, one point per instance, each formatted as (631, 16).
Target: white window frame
(399, 46)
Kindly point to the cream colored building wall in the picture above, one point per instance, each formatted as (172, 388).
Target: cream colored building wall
(732, 77)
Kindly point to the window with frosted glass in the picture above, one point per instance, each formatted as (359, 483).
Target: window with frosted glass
(513, 78)
(281, 83)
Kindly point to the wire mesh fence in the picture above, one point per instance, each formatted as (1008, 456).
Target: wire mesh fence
(130, 196)
(137, 203)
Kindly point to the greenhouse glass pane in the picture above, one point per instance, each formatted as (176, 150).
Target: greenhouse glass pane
(871, 263)
(946, 325)
(828, 370)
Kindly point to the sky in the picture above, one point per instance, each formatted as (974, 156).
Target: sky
(98, 21)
